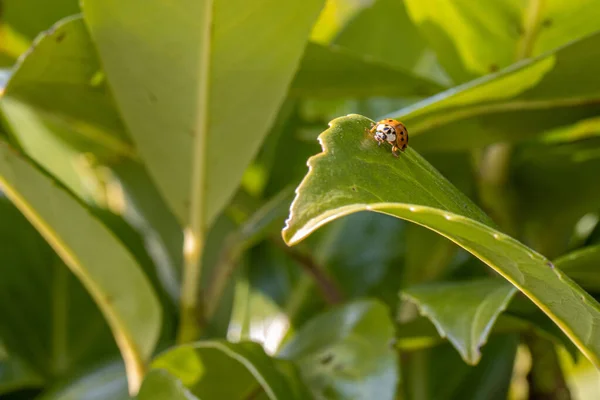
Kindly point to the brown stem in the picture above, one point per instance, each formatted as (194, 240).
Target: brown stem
(255, 393)
(326, 285)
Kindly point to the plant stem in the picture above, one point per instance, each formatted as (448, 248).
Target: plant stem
(191, 312)
(532, 24)
(497, 193)
(194, 239)
(226, 265)
(327, 287)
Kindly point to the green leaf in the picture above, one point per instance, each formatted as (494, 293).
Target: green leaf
(146, 211)
(512, 30)
(93, 254)
(347, 353)
(427, 255)
(562, 174)
(206, 370)
(450, 378)
(19, 24)
(65, 119)
(354, 174)
(198, 121)
(385, 33)
(464, 312)
(72, 97)
(421, 333)
(514, 104)
(16, 375)
(64, 331)
(160, 385)
(583, 129)
(583, 267)
(57, 113)
(365, 239)
(335, 72)
(105, 382)
(333, 18)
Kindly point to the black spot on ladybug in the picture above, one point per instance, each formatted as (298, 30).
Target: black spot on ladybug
(60, 37)
(547, 23)
(493, 68)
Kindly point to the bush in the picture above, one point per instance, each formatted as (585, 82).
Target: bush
(149, 154)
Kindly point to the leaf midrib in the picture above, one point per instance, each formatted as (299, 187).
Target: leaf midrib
(197, 212)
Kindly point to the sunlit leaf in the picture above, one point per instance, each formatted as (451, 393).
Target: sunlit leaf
(514, 104)
(205, 370)
(93, 254)
(512, 30)
(354, 174)
(198, 122)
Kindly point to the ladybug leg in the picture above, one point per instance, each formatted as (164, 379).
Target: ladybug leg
(394, 151)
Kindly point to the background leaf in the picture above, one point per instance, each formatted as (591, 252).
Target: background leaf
(205, 369)
(465, 312)
(335, 72)
(104, 382)
(385, 32)
(192, 100)
(128, 303)
(56, 329)
(583, 266)
(347, 353)
(513, 30)
(18, 25)
(511, 105)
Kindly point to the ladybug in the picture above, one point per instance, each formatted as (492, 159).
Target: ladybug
(390, 131)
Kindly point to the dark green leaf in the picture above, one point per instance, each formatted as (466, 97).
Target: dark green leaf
(562, 174)
(364, 254)
(354, 174)
(464, 312)
(583, 266)
(206, 370)
(335, 72)
(105, 382)
(347, 353)
(56, 328)
(16, 375)
(92, 252)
